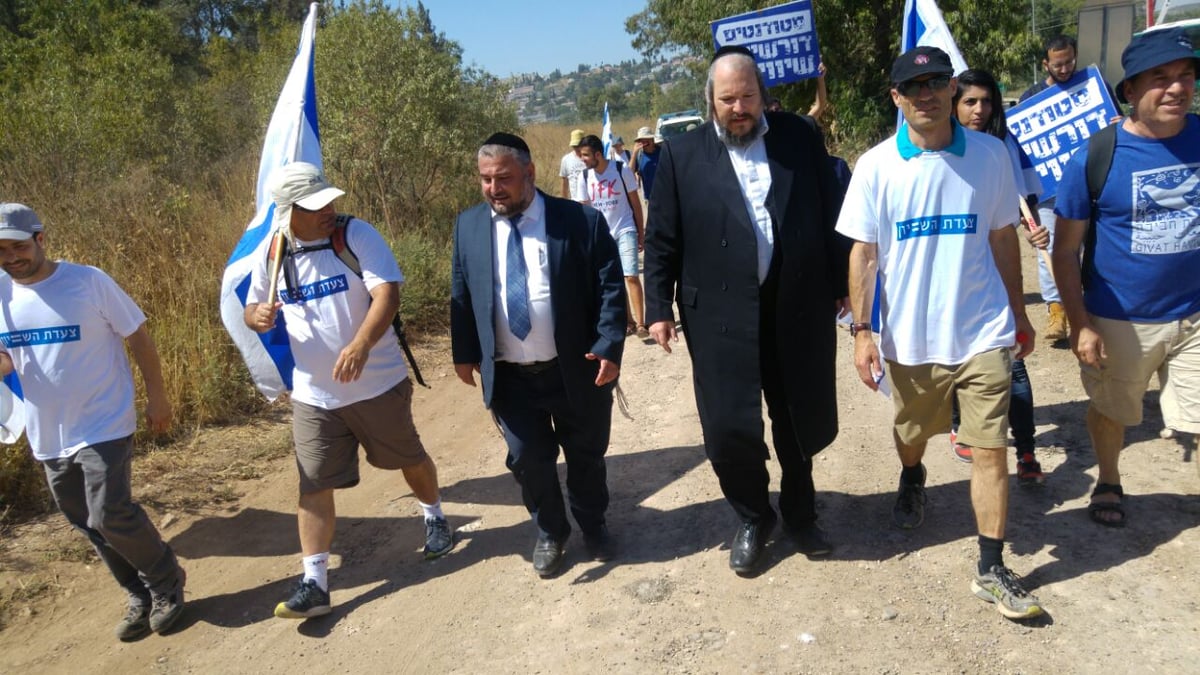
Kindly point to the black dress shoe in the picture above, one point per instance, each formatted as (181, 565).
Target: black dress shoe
(547, 556)
(811, 540)
(748, 544)
(600, 545)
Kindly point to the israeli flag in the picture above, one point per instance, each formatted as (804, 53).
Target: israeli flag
(292, 136)
(606, 133)
(925, 27)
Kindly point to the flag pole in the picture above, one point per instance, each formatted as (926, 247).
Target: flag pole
(1029, 223)
(276, 262)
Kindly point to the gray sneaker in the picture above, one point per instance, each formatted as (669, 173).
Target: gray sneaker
(909, 511)
(136, 623)
(439, 538)
(165, 608)
(1001, 587)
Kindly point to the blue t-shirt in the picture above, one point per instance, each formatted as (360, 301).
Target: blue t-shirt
(647, 166)
(1146, 264)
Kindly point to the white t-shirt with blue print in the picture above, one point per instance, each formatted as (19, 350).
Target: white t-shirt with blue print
(1147, 256)
(324, 313)
(930, 214)
(66, 337)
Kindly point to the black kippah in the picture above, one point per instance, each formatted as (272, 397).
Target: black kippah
(732, 49)
(507, 140)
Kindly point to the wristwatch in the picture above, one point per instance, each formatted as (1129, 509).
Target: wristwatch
(856, 328)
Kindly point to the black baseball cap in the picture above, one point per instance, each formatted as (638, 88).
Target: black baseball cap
(1152, 49)
(921, 61)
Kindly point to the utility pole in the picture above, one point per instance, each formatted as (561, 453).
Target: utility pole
(1033, 19)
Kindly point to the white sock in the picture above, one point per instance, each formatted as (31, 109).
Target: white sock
(432, 510)
(316, 567)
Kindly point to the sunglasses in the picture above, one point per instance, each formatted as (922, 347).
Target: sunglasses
(910, 88)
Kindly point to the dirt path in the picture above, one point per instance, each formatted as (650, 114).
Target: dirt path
(887, 601)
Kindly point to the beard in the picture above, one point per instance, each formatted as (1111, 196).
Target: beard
(741, 140)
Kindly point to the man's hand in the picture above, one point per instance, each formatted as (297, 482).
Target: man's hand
(842, 305)
(1025, 336)
(866, 360)
(608, 369)
(466, 372)
(1088, 345)
(261, 317)
(663, 333)
(1039, 237)
(6, 364)
(350, 362)
(158, 414)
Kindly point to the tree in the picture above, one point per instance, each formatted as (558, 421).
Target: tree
(401, 116)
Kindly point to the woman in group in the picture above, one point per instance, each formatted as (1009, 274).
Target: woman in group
(979, 107)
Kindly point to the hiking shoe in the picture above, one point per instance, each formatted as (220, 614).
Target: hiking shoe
(909, 511)
(1001, 587)
(439, 538)
(962, 452)
(165, 608)
(136, 623)
(1056, 324)
(1029, 471)
(307, 601)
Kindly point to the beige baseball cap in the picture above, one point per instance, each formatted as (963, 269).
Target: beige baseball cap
(301, 184)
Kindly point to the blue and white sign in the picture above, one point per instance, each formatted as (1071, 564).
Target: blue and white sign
(783, 40)
(1052, 124)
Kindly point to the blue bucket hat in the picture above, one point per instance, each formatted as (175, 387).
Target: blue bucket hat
(1152, 49)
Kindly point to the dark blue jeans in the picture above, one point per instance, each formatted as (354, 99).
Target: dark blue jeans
(1020, 409)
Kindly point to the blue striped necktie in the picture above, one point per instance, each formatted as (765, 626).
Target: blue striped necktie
(517, 282)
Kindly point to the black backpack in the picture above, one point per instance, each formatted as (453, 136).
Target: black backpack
(337, 243)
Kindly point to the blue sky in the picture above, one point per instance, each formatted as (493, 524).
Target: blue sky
(529, 36)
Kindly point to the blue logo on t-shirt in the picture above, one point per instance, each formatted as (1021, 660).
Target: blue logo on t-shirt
(932, 226)
(40, 336)
(315, 290)
(1166, 210)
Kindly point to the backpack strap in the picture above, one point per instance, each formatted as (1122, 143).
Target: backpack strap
(1100, 149)
(621, 175)
(337, 241)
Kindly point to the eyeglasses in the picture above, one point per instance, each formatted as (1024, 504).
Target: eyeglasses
(1061, 65)
(910, 88)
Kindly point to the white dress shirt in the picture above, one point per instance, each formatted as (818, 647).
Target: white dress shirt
(754, 177)
(539, 344)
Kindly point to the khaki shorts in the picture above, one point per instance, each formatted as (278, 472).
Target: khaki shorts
(327, 440)
(922, 396)
(1134, 352)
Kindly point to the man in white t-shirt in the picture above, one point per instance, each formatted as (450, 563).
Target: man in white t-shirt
(610, 187)
(63, 331)
(570, 169)
(932, 208)
(350, 384)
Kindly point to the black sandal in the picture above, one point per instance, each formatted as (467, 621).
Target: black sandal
(1096, 510)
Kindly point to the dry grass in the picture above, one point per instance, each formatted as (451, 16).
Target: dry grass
(549, 142)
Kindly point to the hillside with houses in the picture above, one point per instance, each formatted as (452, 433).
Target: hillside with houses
(631, 89)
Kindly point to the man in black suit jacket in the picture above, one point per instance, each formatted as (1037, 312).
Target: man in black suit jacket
(538, 309)
(741, 235)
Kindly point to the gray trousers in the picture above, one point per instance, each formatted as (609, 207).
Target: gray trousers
(92, 489)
